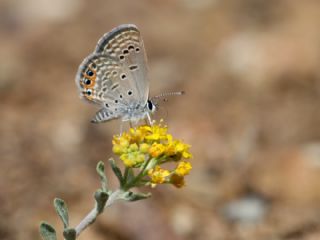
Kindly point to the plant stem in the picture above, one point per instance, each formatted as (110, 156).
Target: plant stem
(130, 184)
(125, 175)
(93, 214)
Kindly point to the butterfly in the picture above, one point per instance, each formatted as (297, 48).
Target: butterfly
(115, 77)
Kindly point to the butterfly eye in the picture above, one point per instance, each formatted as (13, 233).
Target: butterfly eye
(131, 47)
(125, 52)
(150, 105)
(89, 73)
(121, 57)
(137, 49)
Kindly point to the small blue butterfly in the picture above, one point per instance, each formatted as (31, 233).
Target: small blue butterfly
(115, 77)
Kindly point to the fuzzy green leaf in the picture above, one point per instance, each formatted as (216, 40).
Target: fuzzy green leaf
(47, 232)
(101, 198)
(117, 171)
(130, 196)
(129, 175)
(103, 177)
(70, 234)
(62, 211)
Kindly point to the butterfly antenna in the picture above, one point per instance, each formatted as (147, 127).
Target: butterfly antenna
(167, 94)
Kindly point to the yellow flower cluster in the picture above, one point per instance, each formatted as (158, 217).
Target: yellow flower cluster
(158, 175)
(151, 146)
(176, 177)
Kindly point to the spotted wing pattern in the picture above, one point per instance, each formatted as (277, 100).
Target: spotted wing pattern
(115, 75)
(125, 44)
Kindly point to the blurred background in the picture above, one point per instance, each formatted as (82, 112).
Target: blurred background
(251, 113)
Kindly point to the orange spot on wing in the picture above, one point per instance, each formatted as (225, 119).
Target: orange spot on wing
(89, 97)
(91, 78)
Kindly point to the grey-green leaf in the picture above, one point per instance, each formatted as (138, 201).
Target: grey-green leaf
(47, 232)
(70, 234)
(116, 171)
(103, 177)
(129, 175)
(62, 211)
(130, 196)
(101, 198)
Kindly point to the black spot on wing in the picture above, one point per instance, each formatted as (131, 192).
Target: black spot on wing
(114, 86)
(133, 67)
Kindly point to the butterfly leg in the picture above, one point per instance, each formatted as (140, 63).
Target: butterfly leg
(121, 128)
(149, 119)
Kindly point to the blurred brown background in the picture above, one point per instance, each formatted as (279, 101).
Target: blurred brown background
(251, 72)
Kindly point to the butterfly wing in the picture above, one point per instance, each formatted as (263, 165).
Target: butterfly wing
(115, 75)
(125, 44)
(95, 80)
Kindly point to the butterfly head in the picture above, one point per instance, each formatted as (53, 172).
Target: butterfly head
(151, 106)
